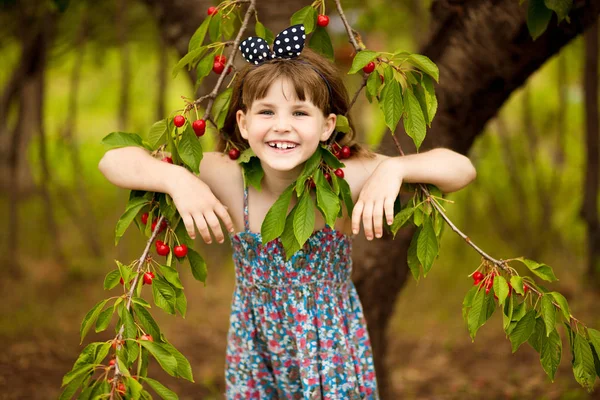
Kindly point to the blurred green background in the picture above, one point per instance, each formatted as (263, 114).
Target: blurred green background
(431, 355)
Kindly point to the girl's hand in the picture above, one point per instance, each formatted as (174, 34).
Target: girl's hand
(378, 194)
(198, 205)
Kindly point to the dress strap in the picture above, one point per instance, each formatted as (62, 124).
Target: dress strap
(246, 220)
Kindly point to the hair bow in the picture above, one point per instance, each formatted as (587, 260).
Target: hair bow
(288, 44)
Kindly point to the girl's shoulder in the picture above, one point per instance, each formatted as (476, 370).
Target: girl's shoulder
(223, 176)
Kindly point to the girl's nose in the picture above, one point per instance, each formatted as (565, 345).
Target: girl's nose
(282, 125)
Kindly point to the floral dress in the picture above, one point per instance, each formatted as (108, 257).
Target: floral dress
(297, 329)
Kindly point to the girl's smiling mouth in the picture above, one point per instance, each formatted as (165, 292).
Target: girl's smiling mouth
(282, 146)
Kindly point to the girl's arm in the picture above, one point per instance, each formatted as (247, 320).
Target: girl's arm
(134, 168)
(379, 180)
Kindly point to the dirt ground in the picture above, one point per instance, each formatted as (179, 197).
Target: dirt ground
(40, 327)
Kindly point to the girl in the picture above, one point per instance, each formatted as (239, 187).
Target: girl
(297, 329)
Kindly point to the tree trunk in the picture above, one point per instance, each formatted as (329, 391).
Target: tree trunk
(589, 210)
(484, 39)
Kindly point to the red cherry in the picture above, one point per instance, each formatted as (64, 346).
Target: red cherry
(311, 183)
(199, 127)
(370, 67)
(339, 173)
(180, 251)
(212, 10)
(168, 160)
(222, 59)
(147, 337)
(322, 20)
(487, 290)
(148, 277)
(234, 154)
(490, 283)
(163, 250)
(121, 281)
(327, 176)
(218, 68)
(144, 218)
(477, 276)
(121, 388)
(179, 120)
(112, 362)
(525, 288)
(476, 281)
(337, 154)
(346, 152)
(163, 225)
(335, 147)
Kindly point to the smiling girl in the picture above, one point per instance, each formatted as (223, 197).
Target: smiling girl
(297, 329)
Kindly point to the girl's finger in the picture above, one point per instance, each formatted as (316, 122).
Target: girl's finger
(222, 213)
(213, 222)
(389, 209)
(378, 218)
(367, 219)
(202, 228)
(189, 225)
(356, 213)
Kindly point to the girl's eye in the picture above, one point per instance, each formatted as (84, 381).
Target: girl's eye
(266, 112)
(300, 113)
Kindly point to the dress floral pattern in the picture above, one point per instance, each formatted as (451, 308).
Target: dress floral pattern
(297, 329)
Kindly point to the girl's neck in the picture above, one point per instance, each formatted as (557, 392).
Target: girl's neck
(275, 182)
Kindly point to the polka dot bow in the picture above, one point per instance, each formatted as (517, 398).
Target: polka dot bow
(288, 44)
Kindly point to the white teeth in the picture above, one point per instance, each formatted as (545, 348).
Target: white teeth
(282, 146)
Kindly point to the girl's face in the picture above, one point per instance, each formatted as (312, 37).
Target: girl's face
(282, 130)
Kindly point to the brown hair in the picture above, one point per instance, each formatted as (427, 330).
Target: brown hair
(253, 83)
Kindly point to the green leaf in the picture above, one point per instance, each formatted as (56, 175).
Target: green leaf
(401, 218)
(221, 107)
(562, 302)
(594, 339)
(158, 134)
(180, 302)
(414, 120)
(430, 97)
(166, 360)
(161, 390)
(560, 7)
(346, 195)
(328, 202)
(412, 259)
(246, 155)
(500, 289)
(583, 363)
(478, 313)
(190, 149)
(541, 270)
(288, 237)
(551, 353)
(373, 84)
(263, 32)
(274, 221)
(321, 42)
(253, 173)
(361, 59)
(538, 17)
(522, 330)
(304, 219)
(184, 369)
(171, 275)
(104, 319)
(538, 335)
(164, 295)
(306, 16)
(517, 284)
(309, 169)
(122, 139)
(133, 208)
(188, 59)
(391, 104)
(90, 318)
(331, 160)
(214, 27)
(130, 331)
(548, 313)
(468, 301)
(198, 265)
(427, 247)
(112, 279)
(425, 64)
(72, 387)
(507, 313)
(419, 93)
(141, 302)
(147, 321)
(204, 67)
(342, 124)
(198, 37)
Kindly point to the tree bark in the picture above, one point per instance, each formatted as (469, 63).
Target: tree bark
(589, 210)
(484, 52)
